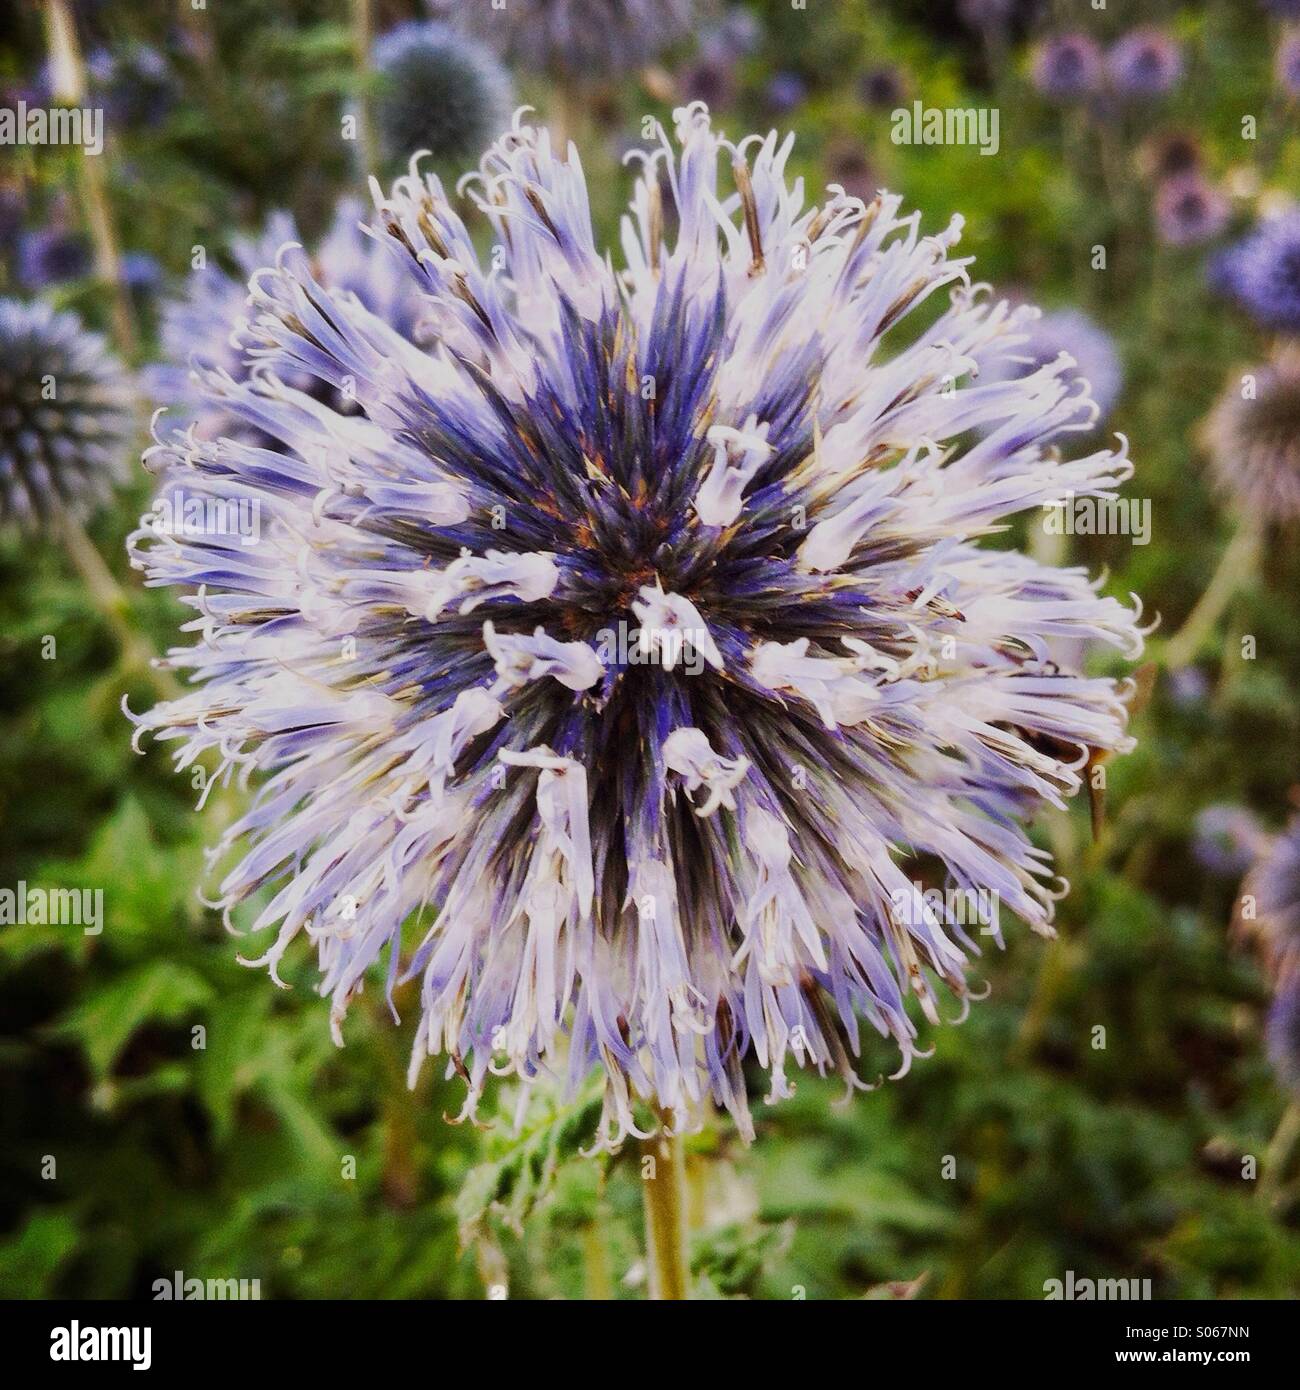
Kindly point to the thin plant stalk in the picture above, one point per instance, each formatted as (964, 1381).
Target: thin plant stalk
(111, 601)
(663, 1193)
(1237, 565)
(362, 29)
(68, 77)
(1279, 1151)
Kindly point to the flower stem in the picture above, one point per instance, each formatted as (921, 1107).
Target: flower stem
(68, 72)
(1279, 1152)
(361, 37)
(111, 601)
(663, 1189)
(1238, 563)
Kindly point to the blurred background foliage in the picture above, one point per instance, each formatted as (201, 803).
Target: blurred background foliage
(202, 1121)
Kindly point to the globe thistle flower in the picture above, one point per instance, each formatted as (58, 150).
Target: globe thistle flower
(1144, 63)
(1286, 70)
(1282, 1033)
(1275, 884)
(784, 91)
(197, 325)
(52, 255)
(437, 91)
(1189, 211)
(1067, 67)
(1171, 154)
(66, 416)
(986, 14)
(1262, 272)
(1253, 439)
(135, 85)
(633, 638)
(572, 39)
(1090, 350)
(1226, 838)
(883, 88)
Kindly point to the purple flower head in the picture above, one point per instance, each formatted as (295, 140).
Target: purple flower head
(1282, 1032)
(986, 14)
(66, 448)
(1067, 67)
(134, 84)
(738, 33)
(52, 256)
(1070, 331)
(1287, 9)
(1188, 687)
(574, 38)
(671, 640)
(1253, 437)
(1262, 272)
(1226, 839)
(1145, 63)
(1171, 154)
(437, 90)
(785, 91)
(1274, 883)
(1286, 71)
(883, 88)
(197, 326)
(1189, 211)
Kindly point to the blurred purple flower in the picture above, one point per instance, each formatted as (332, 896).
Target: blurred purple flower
(986, 14)
(1288, 9)
(1262, 272)
(1287, 68)
(1071, 331)
(1145, 63)
(1282, 1032)
(883, 88)
(52, 256)
(134, 84)
(738, 33)
(1226, 839)
(785, 91)
(1189, 686)
(1189, 211)
(1253, 438)
(1067, 67)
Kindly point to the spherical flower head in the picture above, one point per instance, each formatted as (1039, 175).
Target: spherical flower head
(1274, 884)
(574, 39)
(135, 85)
(986, 14)
(1282, 1033)
(1144, 63)
(1253, 438)
(1262, 273)
(1171, 154)
(883, 88)
(1286, 69)
(66, 416)
(784, 91)
(1067, 67)
(438, 90)
(1226, 838)
(1090, 352)
(52, 256)
(197, 325)
(632, 642)
(1189, 211)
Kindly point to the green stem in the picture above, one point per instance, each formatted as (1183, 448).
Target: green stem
(361, 36)
(1279, 1152)
(1236, 566)
(69, 81)
(111, 601)
(663, 1190)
